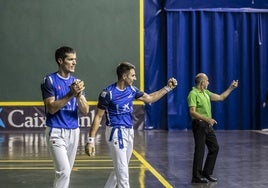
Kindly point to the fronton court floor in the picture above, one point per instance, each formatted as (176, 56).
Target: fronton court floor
(160, 159)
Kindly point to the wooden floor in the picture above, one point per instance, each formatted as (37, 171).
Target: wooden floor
(160, 159)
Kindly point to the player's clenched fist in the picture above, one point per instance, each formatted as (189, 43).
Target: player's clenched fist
(172, 83)
(77, 87)
(79, 84)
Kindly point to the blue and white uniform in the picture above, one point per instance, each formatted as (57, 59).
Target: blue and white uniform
(62, 131)
(119, 133)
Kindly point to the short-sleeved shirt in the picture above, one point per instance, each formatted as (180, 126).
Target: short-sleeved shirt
(56, 86)
(118, 104)
(200, 100)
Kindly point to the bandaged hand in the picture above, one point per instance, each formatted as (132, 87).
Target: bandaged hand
(171, 84)
(77, 87)
(90, 147)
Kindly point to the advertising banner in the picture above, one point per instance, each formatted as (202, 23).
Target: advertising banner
(23, 118)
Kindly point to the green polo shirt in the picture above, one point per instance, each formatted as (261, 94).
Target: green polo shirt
(201, 100)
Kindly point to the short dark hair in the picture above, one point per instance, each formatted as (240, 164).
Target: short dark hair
(123, 68)
(62, 51)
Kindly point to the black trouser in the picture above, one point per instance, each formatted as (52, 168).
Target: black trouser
(204, 136)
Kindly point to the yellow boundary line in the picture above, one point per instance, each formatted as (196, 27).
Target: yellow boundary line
(152, 170)
(145, 165)
(142, 45)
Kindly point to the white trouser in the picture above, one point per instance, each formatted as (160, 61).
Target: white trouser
(119, 176)
(62, 145)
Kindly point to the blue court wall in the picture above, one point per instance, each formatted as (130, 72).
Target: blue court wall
(225, 39)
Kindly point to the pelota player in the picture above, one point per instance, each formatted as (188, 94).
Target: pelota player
(116, 102)
(63, 95)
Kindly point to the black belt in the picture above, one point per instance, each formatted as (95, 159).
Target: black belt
(201, 121)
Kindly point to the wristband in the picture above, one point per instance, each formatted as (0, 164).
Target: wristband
(90, 140)
(167, 88)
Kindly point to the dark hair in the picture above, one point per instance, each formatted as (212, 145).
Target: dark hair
(123, 68)
(62, 51)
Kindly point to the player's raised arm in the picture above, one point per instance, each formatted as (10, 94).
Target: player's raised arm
(155, 96)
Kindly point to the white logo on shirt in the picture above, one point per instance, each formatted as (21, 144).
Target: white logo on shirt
(126, 107)
(103, 94)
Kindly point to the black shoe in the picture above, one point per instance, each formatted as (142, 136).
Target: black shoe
(200, 180)
(212, 179)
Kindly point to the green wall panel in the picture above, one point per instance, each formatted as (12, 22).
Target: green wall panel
(103, 32)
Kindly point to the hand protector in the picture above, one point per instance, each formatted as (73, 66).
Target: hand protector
(90, 147)
(79, 84)
(77, 87)
(172, 83)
